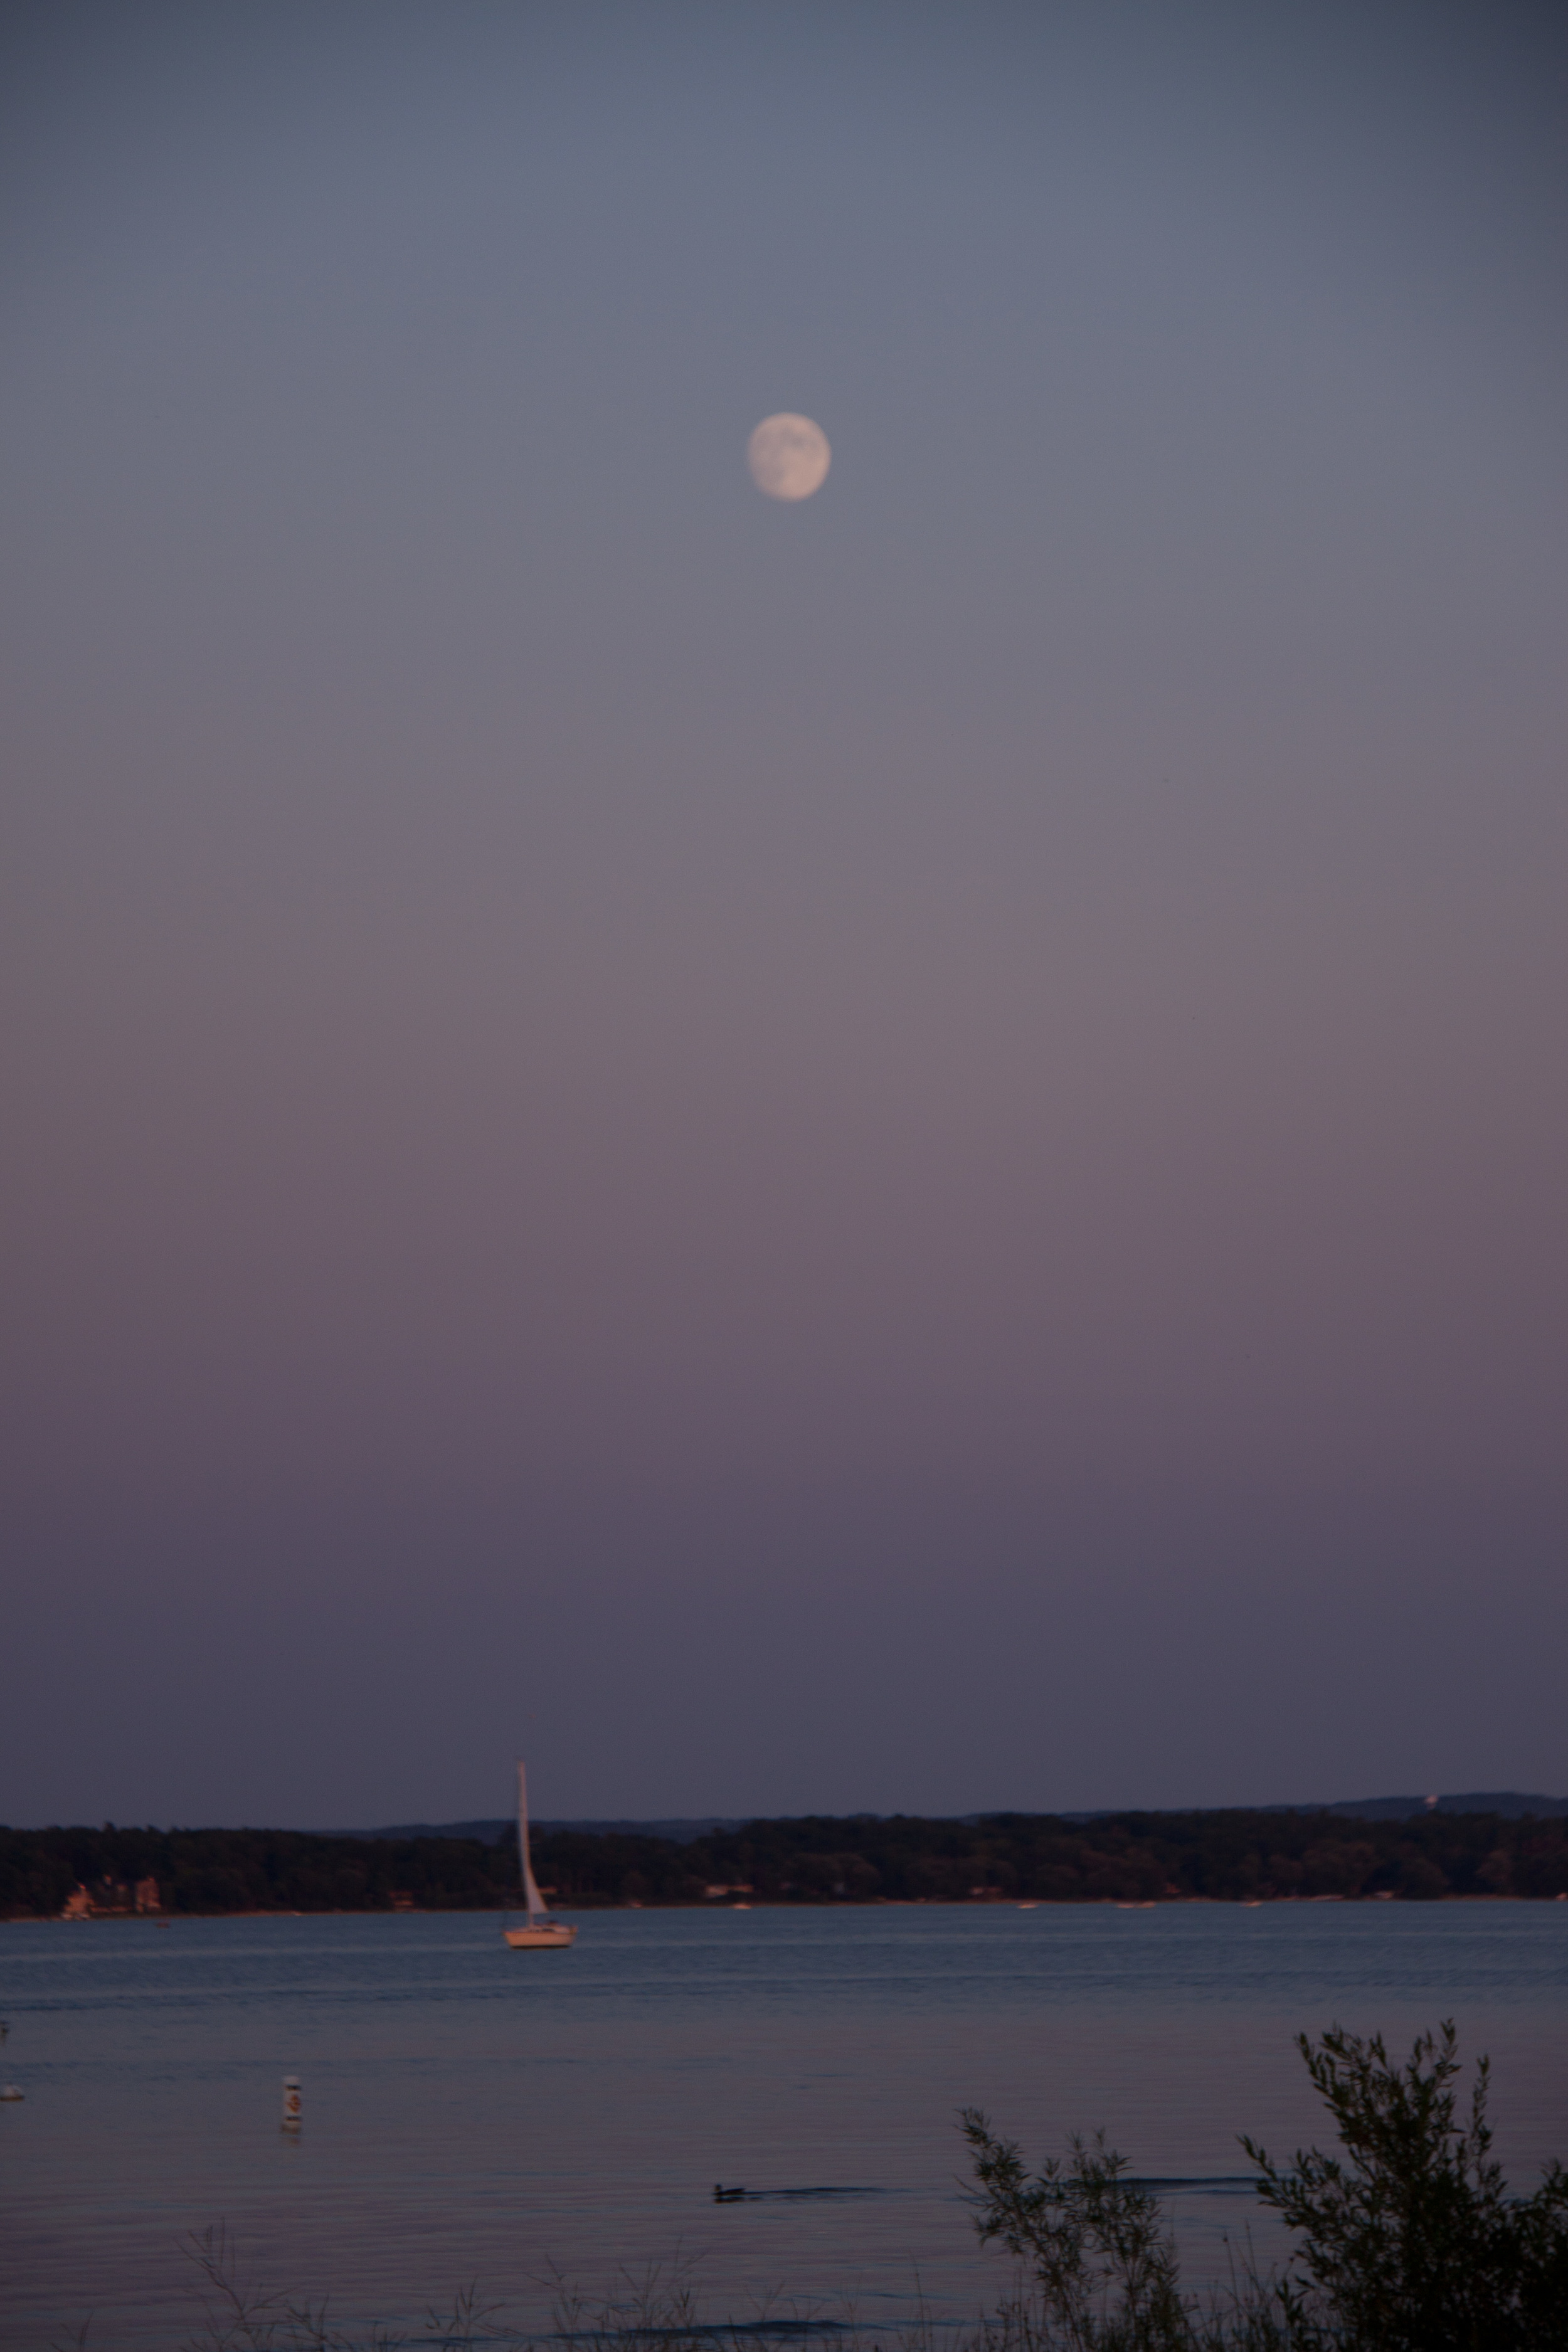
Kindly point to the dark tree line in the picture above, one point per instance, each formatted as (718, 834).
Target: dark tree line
(200, 1871)
(1125, 1857)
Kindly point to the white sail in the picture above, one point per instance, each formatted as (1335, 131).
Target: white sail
(541, 1933)
(537, 1906)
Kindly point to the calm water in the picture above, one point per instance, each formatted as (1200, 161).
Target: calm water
(473, 2113)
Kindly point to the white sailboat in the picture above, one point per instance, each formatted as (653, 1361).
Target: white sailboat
(543, 1934)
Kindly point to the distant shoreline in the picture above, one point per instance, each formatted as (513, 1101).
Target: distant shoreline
(872, 1903)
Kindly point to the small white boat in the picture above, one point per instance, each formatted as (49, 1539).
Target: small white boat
(543, 1934)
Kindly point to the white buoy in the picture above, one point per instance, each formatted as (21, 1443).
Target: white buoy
(291, 2117)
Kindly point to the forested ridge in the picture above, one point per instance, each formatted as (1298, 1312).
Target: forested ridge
(1122, 1857)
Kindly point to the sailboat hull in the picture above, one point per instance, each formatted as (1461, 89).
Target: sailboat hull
(550, 1935)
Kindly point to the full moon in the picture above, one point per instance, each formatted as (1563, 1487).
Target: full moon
(789, 456)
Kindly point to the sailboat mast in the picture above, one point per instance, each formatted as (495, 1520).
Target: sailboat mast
(531, 1894)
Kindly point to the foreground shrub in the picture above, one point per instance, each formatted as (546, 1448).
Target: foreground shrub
(1411, 2237)
(1099, 2264)
(1407, 2240)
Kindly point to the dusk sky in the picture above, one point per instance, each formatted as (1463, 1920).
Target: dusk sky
(906, 1151)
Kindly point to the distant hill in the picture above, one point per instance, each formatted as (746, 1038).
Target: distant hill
(678, 1833)
(1506, 1802)
(1509, 1803)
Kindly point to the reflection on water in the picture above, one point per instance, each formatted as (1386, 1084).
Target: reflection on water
(470, 2112)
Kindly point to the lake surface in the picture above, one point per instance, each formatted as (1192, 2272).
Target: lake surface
(472, 2113)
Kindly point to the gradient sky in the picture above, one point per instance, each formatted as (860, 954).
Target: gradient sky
(904, 1153)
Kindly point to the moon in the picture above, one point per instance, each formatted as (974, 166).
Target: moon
(788, 456)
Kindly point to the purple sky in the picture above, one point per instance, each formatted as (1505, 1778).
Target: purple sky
(908, 1152)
